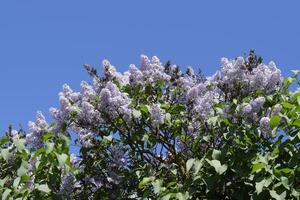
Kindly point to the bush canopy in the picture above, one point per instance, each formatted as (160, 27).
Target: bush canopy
(156, 132)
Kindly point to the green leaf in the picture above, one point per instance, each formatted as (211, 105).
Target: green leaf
(4, 140)
(62, 158)
(287, 105)
(44, 188)
(220, 169)
(296, 122)
(157, 186)
(6, 193)
(295, 72)
(168, 117)
(197, 165)
(216, 155)
(298, 100)
(16, 182)
(19, 143)
(259, 186)
(277, 196)
(145, 181)
(288, 81)
(46, 136)
(6, 154)
(21, 171)
(189, 164)
(3, 181)
(257, 167)
(181, 196)
(108, 138)
(274, 121)
(168, 196)
(144, 109)
(49, 147)
(285, 182)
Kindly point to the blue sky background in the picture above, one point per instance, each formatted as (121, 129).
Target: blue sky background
(43, 44)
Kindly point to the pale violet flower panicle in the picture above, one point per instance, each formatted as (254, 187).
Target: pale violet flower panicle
(233, 71)
(153, 70)
(265, 77)
(214, 79)
(85, 136)
(190, 72)
(265, 126)
(111, 73)
(88, 112)
(157, 115)
(87, 91)
(257, 103)
(109, 70)
(105, 96)
(145, 63)
(192, 94)
(247, 109)
(113, 101)
(203, 105)
(136, 76)
(36, 131)
(186, 83)
(64, 103)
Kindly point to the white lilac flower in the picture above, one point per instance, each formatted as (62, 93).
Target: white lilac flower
(265, 125)
(157, 115)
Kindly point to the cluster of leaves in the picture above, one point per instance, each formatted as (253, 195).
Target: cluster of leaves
(33, 174)
(229, 158)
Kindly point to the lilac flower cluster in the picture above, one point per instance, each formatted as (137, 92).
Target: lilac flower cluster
(36, 131)
(263, 77)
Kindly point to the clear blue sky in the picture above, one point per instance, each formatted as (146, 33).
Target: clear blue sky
(43, 44)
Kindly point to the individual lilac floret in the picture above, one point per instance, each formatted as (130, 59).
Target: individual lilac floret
(36, 131)
(265, 126)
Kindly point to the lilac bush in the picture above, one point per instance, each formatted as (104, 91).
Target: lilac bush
(156, 132)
